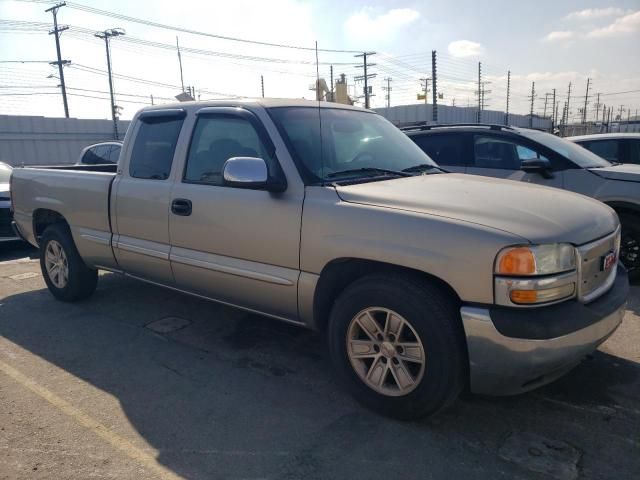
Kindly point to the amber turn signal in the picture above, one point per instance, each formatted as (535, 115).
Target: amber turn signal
(517, 261)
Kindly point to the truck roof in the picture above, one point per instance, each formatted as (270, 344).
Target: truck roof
(263, 102)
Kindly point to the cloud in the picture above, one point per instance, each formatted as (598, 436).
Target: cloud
(559, 36)
(464, 48)
(628, 24)
(366, 24)
(591, 13)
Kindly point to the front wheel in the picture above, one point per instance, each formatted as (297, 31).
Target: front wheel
(66, 275)
(397, 343)
(630, 245)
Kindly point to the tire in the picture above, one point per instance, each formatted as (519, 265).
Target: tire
(80, 281)
(630, 245)
(433, 320)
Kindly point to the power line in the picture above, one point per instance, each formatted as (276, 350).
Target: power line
(126, 18)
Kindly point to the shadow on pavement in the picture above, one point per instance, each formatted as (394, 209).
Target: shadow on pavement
(235, 395)
(16, 250)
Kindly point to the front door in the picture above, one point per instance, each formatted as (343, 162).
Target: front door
(501, 157)
(235, 245)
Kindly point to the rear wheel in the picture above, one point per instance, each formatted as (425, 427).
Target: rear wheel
(630, 245)
(66, 275)
(397, 343)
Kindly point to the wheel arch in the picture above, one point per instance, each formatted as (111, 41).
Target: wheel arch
(624, 207)
(42, 218)
(341, 272)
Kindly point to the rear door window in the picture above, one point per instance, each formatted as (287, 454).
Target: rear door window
(501, 153)
(154, 146)
(114, 153)
(96, 155)
(607, 149)
(634, 151)
(447, 149)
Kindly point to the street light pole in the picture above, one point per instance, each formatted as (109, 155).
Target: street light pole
(106, 35)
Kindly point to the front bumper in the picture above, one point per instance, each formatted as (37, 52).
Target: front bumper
(538, 348)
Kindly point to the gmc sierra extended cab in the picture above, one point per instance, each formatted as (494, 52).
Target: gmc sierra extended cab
(328, 217)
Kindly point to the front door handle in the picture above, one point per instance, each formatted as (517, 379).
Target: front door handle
(181, 206)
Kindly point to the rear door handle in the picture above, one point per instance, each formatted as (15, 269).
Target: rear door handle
(181, 206)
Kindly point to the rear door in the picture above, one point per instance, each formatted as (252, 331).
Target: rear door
(449, 150)
(501, 156)
(232, 244)
(141, 197)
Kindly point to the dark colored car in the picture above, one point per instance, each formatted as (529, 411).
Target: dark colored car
(532, 156)
(615, 147)
(6, 232)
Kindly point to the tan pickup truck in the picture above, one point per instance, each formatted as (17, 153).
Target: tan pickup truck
(328, 217)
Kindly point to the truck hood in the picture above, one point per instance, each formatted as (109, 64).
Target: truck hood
(535, 213)
(626, 171)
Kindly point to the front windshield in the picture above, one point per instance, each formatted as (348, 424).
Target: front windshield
(574, 152)
(5, 173)
(351, 141)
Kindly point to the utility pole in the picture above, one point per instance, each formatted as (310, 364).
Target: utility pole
(533, 97)
(434, 86)
(628, 119)
(554, 114)
(568, 101)
(554, 125)
(424, 85)
(597, 106)
(388, 90)
(152, 99)
(546, 99)
(620, 114)
(180, 63)
(366, 76)
(60, 63)
(586, 102)
(331, 75)
(479, 92)
(262, 84)
(106, 35)
(506, 116)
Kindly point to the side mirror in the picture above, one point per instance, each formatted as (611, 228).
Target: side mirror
(251, 173)
(537, 165)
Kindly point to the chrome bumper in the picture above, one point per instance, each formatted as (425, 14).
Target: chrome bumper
(501, 365)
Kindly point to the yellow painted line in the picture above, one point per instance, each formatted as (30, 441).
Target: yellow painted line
(86, 421)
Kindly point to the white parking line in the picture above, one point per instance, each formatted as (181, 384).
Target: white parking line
(86, 421)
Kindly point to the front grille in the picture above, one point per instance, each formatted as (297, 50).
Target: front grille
(593, 280)
(5, 223)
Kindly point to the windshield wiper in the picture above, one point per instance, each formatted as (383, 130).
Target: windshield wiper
(369, 170)
(422, 168)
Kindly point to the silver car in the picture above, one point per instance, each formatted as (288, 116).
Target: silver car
(103, 153)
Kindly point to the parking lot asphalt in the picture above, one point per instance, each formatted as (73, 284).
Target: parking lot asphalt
(140, 382)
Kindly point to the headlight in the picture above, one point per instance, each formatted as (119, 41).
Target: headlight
(536, 260)
(536, 274)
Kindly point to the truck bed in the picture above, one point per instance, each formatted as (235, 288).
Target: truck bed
(80, 194)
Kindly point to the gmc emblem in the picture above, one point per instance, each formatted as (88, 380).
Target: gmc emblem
(608, 261)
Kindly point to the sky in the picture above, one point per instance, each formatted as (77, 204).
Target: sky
(547, 42)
